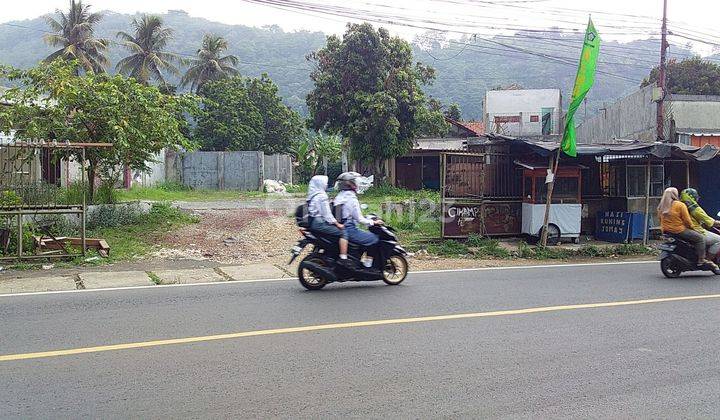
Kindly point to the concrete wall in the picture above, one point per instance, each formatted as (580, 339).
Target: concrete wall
(632, 117)
(155, 175)
(694, 113)
(527, 104)
(279, 168)
(226, 170)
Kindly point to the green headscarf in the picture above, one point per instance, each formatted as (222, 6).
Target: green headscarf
(689, 196)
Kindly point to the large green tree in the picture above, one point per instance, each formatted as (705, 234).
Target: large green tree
(246, 114)
(146, 45)
(453, 112)
(74, 32)
(693, 76)
(50, 102)
(210, 63)
(368, 89)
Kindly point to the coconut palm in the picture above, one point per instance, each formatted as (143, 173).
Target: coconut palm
(147, 57)
(74, 34)
(209, 65)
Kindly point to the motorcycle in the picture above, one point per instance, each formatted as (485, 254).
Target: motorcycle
(678, 256)
(321, 267)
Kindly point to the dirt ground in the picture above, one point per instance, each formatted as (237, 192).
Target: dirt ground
(233, 236)
(245, 236)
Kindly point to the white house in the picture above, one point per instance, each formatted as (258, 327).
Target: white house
(523, 112)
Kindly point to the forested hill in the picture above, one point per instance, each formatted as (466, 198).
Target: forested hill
(465, 68)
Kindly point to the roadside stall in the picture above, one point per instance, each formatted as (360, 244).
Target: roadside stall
(566, 208)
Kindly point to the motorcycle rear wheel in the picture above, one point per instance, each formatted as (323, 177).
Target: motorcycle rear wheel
(396, 270)
(669, 268)
(308, 278)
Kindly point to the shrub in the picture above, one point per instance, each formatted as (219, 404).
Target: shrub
(104, 216)
(10, 198)
(164, 213)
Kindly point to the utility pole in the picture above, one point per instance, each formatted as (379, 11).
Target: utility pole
(661, 77)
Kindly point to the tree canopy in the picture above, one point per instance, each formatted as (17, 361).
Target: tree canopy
(246, 114)
(453, 112)
(368, 90)
(52, 103)
(74, 32)
(693, 76)
(147, 45)
(210, 63)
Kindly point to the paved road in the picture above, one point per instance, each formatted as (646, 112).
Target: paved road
(638, 359)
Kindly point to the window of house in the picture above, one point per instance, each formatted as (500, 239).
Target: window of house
(534, 118)
(547, 121)
(636, 181)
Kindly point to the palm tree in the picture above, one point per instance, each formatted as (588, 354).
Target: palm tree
(209, 65)
(74, 34)
(147, 57)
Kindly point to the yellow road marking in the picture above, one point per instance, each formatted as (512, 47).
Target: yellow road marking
(309, 328)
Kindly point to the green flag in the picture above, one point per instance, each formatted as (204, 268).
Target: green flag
(583, 82)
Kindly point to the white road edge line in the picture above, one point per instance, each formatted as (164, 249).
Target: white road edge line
(458, 270)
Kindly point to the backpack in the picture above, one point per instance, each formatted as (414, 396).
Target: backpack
(302, 214)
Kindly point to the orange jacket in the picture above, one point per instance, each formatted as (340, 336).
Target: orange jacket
(677, 220)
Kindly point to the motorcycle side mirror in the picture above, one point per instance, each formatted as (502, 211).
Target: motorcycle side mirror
(364, 206)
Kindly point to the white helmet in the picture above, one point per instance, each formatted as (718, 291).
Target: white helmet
(347, 181)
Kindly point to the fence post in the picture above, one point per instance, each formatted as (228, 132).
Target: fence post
(221, 170)
(261, 169)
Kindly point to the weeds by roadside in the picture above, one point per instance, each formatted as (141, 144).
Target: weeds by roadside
(478, 247)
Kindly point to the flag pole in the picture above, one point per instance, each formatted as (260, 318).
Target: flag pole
(583, 82)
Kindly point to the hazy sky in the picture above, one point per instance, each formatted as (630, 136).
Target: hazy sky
(615, 19)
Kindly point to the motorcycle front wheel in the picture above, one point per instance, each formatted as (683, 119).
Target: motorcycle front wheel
(309, 279)
(395, 271)
(669, 268)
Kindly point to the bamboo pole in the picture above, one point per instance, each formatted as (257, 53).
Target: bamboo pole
(551, 186)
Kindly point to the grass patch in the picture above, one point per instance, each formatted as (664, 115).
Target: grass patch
(135, 240)
(588, 251)
(154, 277)
(161, 193)
(448, 248)
(486, 247)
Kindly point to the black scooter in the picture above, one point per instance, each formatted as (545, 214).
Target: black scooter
(677, 257)
(322, 266)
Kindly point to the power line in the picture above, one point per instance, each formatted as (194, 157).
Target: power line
(179, 54)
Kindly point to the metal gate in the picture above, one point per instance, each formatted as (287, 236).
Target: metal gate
(480, 195)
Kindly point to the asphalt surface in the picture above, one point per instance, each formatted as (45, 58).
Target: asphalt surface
(640, 360)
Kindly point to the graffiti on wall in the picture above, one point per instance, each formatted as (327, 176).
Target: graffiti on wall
(489, 218)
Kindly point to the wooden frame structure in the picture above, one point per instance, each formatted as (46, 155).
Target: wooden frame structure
(26, 164)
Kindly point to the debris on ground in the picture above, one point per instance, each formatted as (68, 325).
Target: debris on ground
(274, 187)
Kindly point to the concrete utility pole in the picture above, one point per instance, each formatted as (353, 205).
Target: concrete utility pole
(661, 77)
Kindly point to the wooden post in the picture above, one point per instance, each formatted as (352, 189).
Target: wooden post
(647, 202)
(20, 234)
(83, 215)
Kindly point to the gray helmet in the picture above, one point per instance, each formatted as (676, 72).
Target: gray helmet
(347, 181)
